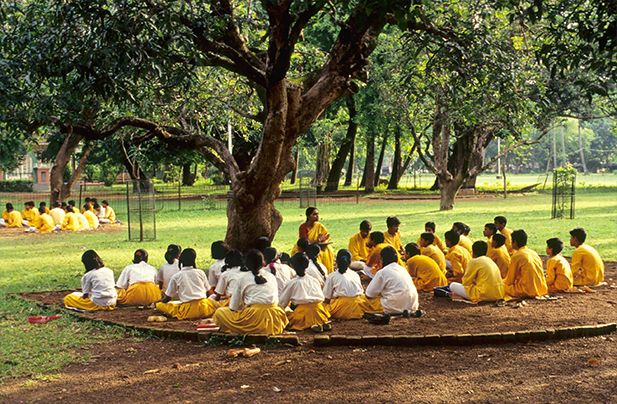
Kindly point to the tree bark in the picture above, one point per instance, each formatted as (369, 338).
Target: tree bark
(396, 163)
(294, 173)
(407, 163)
(59, 190)
(369, 168)
(350, 166)
(382, 153)
(347, 144)
(323, 164)
(187, 177)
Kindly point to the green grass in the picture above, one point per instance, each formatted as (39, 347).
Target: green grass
(48, 262)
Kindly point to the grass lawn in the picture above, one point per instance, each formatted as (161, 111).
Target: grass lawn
(52, 261)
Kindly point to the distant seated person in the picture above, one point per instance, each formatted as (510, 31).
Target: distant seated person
(110, 215)
(44, 206)
(282, 272)
(70, 221)
(343, 290)
(11, 217)
(44, 223)
(429, 249)
(87, 206)
(99, 211)
(82, 221)
(429, 227)
(500, 223)
(482, 280)
(526, 273)
(391, 291)
(489, 231)
(499, 254)
(93, 221)
(558, 272)
(587, 266)
(357, 246)
(424, 272)
(463, 230)
(97, 286)
(392, 236)
(373, 264)
(57, 214)
(231, 271)
(457, 257)
(30, 214)
(138, 283)
(191, 286)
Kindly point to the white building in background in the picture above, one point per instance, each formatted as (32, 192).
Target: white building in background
(32, 169)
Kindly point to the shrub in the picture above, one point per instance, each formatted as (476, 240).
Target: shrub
(16, 186)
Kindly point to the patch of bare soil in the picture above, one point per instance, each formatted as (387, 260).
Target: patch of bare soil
(14, 232)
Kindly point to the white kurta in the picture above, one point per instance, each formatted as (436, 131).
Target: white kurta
(136, 273)
(283, 273)
(166, 272)
(214, 273)
(248, 292)
(396, 289)
(189, 284)
(301, 290)
(227, 281)
(313, 272)
(98, 284)
(342, 285)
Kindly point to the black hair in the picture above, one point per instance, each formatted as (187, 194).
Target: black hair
(9, 206)
(63, 205)
(412, 249)
(388, 256)
(87, 199)
(377, 237)
(254, 261)
(479, 248)
(262, 242)
(429, 225)
(453, 237)
(218, 250)
(233, 258)
(466, 229)
(71, 202)
(284, 257)
(309, 211)
(96, 205)
(187, 258)
(140, 255)
(270, 256)
(303, 243)
(366, 225)
(312, 252)
(499, 239)
(93, 200)
(343, 259)
(299, 262)
(428, 236)
(501, 220)
(580, 234)
(392, 221)
(91, 260)
(459, 226)
(104, 202)
(492, 227)
(42, 209)
(42, 204)
(555, 244)
(173, 251)
(69, 209)
(29, 203)
(520, 237)
(57, 204)
(86, 206)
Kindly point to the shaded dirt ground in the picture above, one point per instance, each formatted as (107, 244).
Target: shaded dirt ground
(20, 232)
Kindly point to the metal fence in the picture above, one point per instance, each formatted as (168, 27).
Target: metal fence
(141, 210)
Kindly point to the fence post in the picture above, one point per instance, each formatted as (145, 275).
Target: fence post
(128, 210)
(179, 195)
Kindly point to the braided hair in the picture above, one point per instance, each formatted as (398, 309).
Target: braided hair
(270, 256)
(254, 261)
(233, 258)
(312, 252)
(173, 252)
(343, 259)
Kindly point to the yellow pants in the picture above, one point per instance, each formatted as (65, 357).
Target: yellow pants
(196, 309)
(371, 306)
(346, 308)
(255, 319)
(79, 302)
(138, 293)
(307, 315)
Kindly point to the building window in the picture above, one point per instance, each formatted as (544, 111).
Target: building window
(43, 177)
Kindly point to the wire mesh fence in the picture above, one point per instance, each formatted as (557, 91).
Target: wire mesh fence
(141, 210)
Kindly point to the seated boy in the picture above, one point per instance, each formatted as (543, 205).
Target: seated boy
(482, 280)
(429, 227)
(463, 230)
(43, 205)
(499, 254)
(110, 215)
(558, 272)
(376, 243)
(429, 248)
(424, 271)
(57, 213)
(457, 256)
(393, 236)
(93, 221)
(587, 266)
(11, 217)
(70, 221)
(489, 231)
(82, 221)
(500, 223)
(30, 214)
(44, 224)
(526, 274)
(357, 246)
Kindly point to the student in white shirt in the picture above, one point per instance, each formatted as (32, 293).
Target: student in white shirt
(315, 268)
(170, 268)
(97, 286)
(218, 250)
(306, 298)
(282, 272)
(253, 306)
(191, 286)
(230, 272)
(343, 290)
(138, 283)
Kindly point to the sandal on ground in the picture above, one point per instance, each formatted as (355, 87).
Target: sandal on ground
(317, 328)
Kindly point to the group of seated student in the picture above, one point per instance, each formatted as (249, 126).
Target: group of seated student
(62, 216)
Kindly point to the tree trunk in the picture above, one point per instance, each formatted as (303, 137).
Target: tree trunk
(369, 168)
(187, 177)
(294, 173)
(382, 153)
(140, 184)
(396, 164)
(407, 163)
(350, 166)
(59, 190)
(346, 145)
(323, 164)
(449, 189)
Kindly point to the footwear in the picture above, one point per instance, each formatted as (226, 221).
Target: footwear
(327, 327)
(317, 328)
(418, 313)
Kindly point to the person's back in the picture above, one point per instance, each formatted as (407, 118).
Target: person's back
(347, 284)
(189, 284)
(140, 272)
(587, 266)
(500, 257)
(397, 291)
(93, 221)
(82, 222)
(525, 275)
(45, 223)
(57, 214)
(425, 273)
(465, 242)
(458, 256)
(433, 252)
(70, 222)
(227, 281)
(558, 274)
(12, 218)
(482, 280)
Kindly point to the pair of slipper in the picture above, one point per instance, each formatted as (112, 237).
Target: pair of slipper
(321, 328)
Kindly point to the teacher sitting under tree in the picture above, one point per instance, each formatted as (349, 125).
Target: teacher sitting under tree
(316, 232)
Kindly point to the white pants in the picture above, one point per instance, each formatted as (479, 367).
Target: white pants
(57, 227)
(458, 289)
(2, 223)
(367, 271)
(104, 221)
(357, 265)
(25, 223)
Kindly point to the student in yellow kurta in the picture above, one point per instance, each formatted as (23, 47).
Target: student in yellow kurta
(43, 205)
(93, 221)
(30, 214)
(500, 222)
(457, 257)
(57, 214)
(429, 227)
(482, 280)
(11, 217)
(499, 254)
(110, 214)
(70, 221)
(253, 307)
(373, 263)
(464, 241)
(45, 223)
(392, 236)
(429, 249)
(424, 271)
(138, 283)
(526, 273)
(343, 290)
(587, 266)
(191, 286)
(558, 272)
(315, 232)
(489, 231)
(357, 246)
(82, 221)
(97, 286)
(87, 206)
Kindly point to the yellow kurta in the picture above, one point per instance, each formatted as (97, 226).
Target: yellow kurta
(393, 240)
(558, 274)
(482, 280)
(138, 293)
(93, 221)
(508, 234)
(82, 222)
(196, 309)
(346, 308)
(70, 222)
(110, 214)
(84, 304)
(465, 242)
(440, 244)
(45, 224)
(489, 242)
(326, 257)
(255, 319)
(434, 253)
(374, 258)
(525, 275)
(57, 215)
(425, 273)
(12, 218)
(307, 315)
(357, 247)
(31, 215)
(501, 257)
(587, 266)
(458, 257)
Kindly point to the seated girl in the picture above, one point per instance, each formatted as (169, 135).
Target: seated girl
(315, 268)
(191, 285)
(170, 268)
(343, 290)
(138, 283)
(305, 295)
(253, 307)
(97, 286)
(230, 272)
(282, 272)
